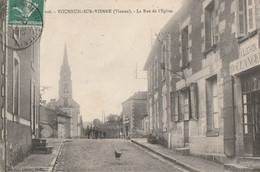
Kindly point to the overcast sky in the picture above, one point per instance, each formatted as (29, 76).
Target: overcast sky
(103, 50)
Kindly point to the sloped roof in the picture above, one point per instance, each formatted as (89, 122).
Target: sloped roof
(175, 19)
(140, 95)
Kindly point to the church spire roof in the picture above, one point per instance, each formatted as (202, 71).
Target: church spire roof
(65, 57)
(65, 68)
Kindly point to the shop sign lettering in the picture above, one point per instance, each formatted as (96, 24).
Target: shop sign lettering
(244, 63)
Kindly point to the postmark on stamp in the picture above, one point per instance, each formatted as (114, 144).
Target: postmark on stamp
(23, 22)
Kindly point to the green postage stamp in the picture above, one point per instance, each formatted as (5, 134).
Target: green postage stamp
(25, 13)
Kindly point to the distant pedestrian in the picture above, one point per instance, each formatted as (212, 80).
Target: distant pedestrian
(88, 134)
(96, 134)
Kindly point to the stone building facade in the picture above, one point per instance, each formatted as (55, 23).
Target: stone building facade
(20, 90)
(65, 103)
(200, 95)
(133, 113)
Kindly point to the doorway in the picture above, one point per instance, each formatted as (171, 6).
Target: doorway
(251, 123)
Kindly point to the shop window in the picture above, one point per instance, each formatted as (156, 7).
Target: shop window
(209, 26)
(212, 105)
(247, 114)
(185, 46)
(246, 17)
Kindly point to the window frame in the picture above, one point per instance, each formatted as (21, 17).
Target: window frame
(212, 130)
(244, 19)
(209, 27)
(185, 58)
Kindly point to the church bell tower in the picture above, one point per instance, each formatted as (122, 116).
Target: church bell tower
(65, 83)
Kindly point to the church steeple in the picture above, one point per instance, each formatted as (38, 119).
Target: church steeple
(65, 57)
(65, 68)
(65, 86)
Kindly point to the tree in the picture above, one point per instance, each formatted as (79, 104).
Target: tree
(112, 118)
(97, 122)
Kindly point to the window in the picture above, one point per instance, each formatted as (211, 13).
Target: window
(164, 118)
(163, 59)
(194, 96)
(16, 87)
(212, 104)
(209, 26)
(186, 105)
(151, 116)
(2, 91)
(33, 106)
(3, 27)
(151, 79)
(175, 105)
(66, 102)
(247, 114)
(185, 46)
(156, 73)
(246, 17)
(32, 56)
(65, 89)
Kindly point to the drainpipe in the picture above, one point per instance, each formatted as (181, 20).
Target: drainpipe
(234, 122)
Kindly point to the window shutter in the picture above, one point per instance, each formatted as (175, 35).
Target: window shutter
(241, 19)
(176, 103)
(250, 15)
(194, 100)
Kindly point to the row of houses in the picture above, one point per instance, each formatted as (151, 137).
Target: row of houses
(204, 82)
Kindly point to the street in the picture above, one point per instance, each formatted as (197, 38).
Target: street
(99, 155)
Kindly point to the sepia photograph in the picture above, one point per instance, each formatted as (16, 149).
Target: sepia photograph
(129, 85)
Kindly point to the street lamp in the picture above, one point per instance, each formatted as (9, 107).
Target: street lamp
(162, 66)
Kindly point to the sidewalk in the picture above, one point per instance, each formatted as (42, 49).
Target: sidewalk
(41, 162)
(188, 162)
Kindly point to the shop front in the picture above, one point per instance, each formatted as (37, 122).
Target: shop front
(246, 72)
(251, 112)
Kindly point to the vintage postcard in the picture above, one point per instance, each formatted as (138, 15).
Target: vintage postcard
(129, 85)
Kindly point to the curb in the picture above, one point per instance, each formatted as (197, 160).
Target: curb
(175, 161)
(55, 159)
